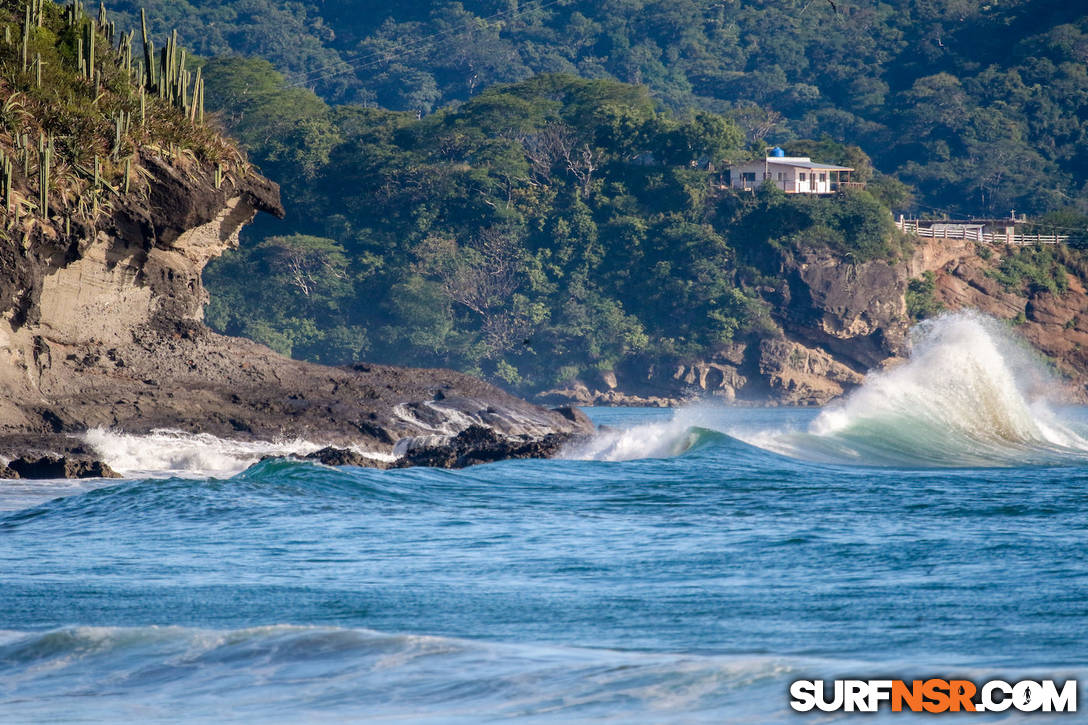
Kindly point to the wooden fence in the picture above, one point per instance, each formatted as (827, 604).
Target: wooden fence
(976, 234)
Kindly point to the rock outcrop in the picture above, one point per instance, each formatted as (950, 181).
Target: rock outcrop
(103, 328)
(478, 444)
(58, 467)
(837, 320)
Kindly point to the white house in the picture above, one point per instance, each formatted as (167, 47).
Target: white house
(791, 174)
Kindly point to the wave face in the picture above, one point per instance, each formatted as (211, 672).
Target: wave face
(970, 395)
(261, 674)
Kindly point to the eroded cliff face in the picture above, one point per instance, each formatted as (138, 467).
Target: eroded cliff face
(839, 320)
(101, 326)
(1055, 324)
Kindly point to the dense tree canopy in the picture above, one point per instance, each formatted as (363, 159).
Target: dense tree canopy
(526, 189)
(982, 106)
(535, 232)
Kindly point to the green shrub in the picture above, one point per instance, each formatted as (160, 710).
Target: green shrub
(921, 297)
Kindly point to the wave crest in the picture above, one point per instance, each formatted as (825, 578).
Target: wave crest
(970, 395)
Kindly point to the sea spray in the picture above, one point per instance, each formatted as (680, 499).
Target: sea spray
(662, 439)
(971, 394)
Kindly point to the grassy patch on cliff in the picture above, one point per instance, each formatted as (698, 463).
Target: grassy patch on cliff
(1040, 268)
(921, 297)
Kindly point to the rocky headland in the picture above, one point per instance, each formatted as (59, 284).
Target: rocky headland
(103, 329)
(837, 320)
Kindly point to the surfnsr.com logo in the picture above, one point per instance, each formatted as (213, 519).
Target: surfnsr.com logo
(933, 695)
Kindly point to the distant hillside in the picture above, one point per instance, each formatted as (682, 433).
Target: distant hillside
(544, 231)
(982, 106)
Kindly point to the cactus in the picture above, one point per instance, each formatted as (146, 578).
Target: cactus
(6, 170)
(197, 109)
(38, 67)
(97, 171)
(128, 173)
(118, 132)
(26, 37)
(149, 52)
(43, 177)
(88, 45)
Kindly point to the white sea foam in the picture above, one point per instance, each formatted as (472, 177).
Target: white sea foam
(177, 453)
(661, 439)
(971, 394)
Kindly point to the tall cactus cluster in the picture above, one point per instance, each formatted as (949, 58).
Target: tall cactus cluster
(170, 79)
(100, 52)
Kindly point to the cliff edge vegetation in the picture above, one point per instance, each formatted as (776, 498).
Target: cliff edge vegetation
(116, 194)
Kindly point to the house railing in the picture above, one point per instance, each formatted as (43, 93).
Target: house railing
(977, 235)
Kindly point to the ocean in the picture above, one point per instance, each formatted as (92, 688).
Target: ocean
(684, 567)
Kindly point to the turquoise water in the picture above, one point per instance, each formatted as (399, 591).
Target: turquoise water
(689, 587)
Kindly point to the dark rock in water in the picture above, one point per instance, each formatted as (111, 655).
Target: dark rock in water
(479, 444)
(341, 457)
(575, 415)
(54, 467)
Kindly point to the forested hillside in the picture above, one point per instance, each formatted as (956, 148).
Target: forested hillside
(529, 191)
(538, 231)
(982, 106)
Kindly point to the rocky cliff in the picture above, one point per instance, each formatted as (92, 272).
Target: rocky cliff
(837, 320)
(1054, 321)
(103, 329)
(114, 195)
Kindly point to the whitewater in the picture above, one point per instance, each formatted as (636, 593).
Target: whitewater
(684, 566)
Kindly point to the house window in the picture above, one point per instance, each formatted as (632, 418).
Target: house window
(804, 176)
(823, 178)
(748, 177)
(781, 176)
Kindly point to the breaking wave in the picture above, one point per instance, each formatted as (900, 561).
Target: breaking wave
(265, 672)
(177, 453)
(970, 395)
